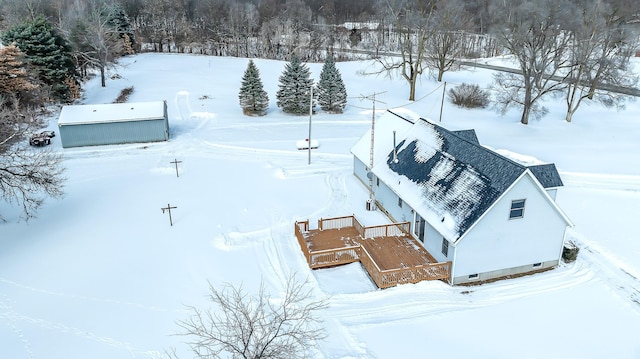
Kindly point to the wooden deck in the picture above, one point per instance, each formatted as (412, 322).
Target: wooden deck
(389, 253)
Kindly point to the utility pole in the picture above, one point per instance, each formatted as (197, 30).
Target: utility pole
(169, 208)
(373, 100)
(176, 163)
(310, 113)
(444, 90)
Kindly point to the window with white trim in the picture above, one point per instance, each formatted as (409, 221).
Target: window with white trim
(445, 247)
(517, 209)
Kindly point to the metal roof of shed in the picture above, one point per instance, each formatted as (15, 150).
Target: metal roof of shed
(115, 112)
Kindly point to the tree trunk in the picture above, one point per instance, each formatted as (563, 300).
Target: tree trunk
(413, 79)
(569, 116)
(526, 103)
(103, 81)
(525, 115)
(412, 90)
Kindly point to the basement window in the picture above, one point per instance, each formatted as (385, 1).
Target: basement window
(536, 265)
(473, 276)
(517, 209)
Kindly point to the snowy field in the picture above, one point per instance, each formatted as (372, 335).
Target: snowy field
(102, 274)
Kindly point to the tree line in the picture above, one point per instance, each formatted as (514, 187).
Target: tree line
(568, 48)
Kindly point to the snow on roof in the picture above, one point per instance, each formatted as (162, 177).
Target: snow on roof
(115, 112)
(545, 173)
(385, 124)
(447, 176)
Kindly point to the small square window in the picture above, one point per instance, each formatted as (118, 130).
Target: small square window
(517, 209)
(473, 276)
(445, 247)
(400, 202)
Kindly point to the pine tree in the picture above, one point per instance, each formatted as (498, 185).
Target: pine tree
(47, 52)
(15, 80)
(118, 20)
(253, 98)
(295, 85)
(332, 95)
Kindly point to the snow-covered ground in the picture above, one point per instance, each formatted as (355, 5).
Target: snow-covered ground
(102, 274)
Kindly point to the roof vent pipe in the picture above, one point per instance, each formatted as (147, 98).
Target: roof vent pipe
(395, 152)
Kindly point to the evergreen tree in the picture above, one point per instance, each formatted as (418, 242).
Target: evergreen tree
(332, 95)
(295, 85)
(253, 98)
(15, 80)
(118, 20)
(47, 53)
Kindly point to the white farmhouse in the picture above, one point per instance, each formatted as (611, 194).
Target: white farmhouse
(489, 215)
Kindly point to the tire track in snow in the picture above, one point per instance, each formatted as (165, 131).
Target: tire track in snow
(263, 154)
(9, 314)
(63, 328)
(407, 302)
(85, 298)
(620, 277)
(338, 195)
(601, 181)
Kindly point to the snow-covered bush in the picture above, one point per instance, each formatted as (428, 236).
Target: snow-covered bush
(469, 96)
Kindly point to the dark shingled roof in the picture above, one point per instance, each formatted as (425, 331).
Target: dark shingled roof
(547, 174)
(458, 177)
(469, 135)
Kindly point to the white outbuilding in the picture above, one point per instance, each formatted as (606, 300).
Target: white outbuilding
(109, 124)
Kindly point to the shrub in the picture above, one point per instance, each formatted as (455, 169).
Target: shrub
(570, 252)
(124, 95)
(469, 96)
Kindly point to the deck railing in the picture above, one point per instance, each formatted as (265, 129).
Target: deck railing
(336, 223)
(392, 277)
(345, 255)
(432, 271)
(300, 229)
(334, 257)
(387, 230)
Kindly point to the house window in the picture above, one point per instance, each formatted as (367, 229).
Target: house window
(473, 276)
(377, 181)
(399, 202)
(445, 247)
(517, 209)
(536, 265)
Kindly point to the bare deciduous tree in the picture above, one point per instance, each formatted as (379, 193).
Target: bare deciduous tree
(446, 45)
(413, 19)
(535, 33)
(95, 42)
(27, 176)
(253, 327)
(600, 51)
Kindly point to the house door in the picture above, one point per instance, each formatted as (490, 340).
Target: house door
(418, 228)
